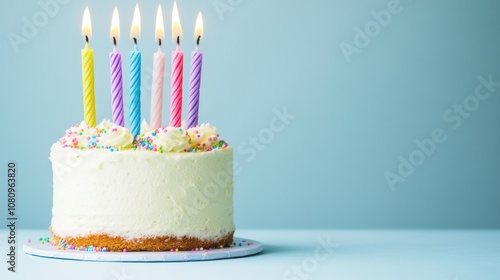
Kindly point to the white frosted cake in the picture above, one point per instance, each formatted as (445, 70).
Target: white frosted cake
(170, 189)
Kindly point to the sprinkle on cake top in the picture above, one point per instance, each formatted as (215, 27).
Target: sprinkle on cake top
(107, 135)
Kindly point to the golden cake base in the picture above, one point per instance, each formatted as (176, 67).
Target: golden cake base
(158, 243)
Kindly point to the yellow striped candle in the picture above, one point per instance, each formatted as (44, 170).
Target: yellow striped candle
(88, 72)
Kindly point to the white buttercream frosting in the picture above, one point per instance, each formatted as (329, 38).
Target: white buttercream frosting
(204, 135)
(78, 135)
(113, 135)
(138, 193)
(167, 139)
(144, 127)
(104, 135)
(108, 135)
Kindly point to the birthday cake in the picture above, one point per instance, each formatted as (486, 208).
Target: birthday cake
(168, 189)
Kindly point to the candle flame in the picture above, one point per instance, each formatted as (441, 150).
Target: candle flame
(135, 30)
(198, 30)
(115, 25)
(86, 25)
(160, 31)
(176, 24)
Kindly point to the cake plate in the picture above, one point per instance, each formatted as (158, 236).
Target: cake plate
(242, 247)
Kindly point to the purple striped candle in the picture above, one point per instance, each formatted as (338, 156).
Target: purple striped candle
(115, 61)
(195, 76)
(194, 88)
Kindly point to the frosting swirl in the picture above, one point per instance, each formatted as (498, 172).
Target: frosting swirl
(113, 135)
(166, 139)
(107, 135)
(144, 127)
(79, 136)
(202, 136)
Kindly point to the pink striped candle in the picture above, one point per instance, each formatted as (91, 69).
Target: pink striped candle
(158, 74)
(176, 88)
(115, 59)
(177, 69)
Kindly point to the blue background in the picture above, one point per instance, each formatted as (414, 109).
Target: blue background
(354, 116)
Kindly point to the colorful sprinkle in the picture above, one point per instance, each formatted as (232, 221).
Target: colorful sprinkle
(85, 137)
(61, 244)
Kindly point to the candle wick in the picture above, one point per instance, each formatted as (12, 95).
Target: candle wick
(114, 41)
(178, 40)
(86, 38)
(198, 41)
(159, 42)
(135, 41)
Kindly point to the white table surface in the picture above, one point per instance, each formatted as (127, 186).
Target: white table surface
(299, 254)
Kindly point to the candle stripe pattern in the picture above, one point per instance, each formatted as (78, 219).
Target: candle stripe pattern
(157, 89)
(135, 92)
(176, 86)
(194, 88)
(116, 88)
(88, 86)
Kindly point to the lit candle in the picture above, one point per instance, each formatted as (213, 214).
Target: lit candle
(135, 76)
(88, 72)
(195, 76)
(158, 74)
(115, 59)
(176, 77)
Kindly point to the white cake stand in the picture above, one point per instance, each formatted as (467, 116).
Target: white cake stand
(247, 248)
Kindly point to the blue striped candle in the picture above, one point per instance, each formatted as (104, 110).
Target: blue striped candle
(135, 76)
(135, 92)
